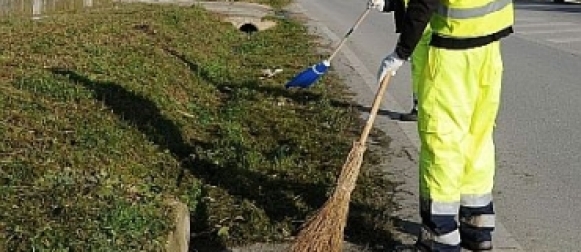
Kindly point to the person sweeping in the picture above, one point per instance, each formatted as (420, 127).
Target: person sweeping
(419, 55)
(458, 97)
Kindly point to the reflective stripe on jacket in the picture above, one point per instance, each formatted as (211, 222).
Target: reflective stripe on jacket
(472, 18)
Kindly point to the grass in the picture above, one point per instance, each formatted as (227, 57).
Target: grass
(273, 3)
(109, 113)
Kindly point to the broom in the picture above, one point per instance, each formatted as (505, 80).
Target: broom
(324, 231)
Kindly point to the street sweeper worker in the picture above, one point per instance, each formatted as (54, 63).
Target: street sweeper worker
(419, 55)
(458, 99)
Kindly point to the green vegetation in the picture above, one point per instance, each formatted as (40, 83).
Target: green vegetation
(109, 113)
(273, 3)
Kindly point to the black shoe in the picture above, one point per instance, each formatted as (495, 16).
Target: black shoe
(477, 246)
(409, 117)
(420, 247)
(406, 248)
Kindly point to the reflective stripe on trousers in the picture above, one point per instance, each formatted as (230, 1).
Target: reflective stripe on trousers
(439, 232)
(477, 219)
(458, 103)
(434, 242)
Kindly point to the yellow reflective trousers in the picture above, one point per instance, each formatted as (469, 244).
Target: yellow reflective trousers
(419, 58)
(459, 98)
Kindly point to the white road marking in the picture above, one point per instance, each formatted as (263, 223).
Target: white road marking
(543, 24)
(529, 19)
(550, 31)
(565, 40)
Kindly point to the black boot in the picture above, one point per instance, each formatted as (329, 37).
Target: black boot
(476, 227)
(406, 248)
(411, 116)
(477, 246)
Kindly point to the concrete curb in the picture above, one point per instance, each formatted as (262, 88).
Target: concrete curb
(179, 238)
(237, 13)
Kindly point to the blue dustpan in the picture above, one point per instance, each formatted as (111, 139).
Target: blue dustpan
(309, 76)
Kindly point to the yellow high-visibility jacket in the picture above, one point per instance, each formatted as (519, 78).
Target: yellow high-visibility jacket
(472, 18)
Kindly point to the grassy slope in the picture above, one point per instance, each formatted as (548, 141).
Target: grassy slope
(107, 114)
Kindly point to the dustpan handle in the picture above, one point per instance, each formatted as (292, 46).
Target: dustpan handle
(357, 23)
(376, 104)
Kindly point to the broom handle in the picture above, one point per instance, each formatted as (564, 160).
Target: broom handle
(374, 109)
(363, 15)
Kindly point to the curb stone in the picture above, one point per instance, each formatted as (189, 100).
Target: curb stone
(237, 13)
(179, 238)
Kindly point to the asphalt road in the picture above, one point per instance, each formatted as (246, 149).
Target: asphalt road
(539, 154)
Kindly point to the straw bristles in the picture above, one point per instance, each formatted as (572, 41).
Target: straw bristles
(324, 231)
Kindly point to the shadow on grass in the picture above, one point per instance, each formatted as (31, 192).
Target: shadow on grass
(406, 226)
(268, 193)
(143, 114)
(359, 231)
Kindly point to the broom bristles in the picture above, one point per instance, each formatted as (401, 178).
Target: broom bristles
(324, 231)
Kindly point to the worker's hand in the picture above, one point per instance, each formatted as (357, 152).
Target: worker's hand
(390, 64)
(376, 4)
